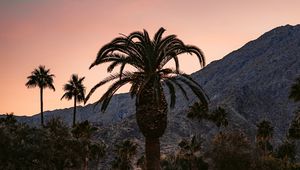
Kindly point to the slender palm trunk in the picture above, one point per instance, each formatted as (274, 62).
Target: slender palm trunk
(74, 114)
(152, 153)
(42, 113)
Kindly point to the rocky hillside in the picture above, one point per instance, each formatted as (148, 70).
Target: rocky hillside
(252, 83)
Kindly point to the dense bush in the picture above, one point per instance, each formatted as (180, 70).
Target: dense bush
(231, 151)
(52, 147)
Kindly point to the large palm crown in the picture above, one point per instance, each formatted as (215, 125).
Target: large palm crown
(74, 88)
(40, 77)
(148, 58)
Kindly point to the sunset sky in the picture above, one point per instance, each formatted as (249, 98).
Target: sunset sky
(65, 36)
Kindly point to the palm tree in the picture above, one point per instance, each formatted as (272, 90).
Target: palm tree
(295, 91)
(74, 88)
(125, 152)
(219, 117)
(200, 112)
(263, 136)
(148, 58)
(189, 154)
(42, 78)
(83, 132)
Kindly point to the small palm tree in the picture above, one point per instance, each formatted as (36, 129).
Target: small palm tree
(189, 154)
(42, 78)
(125, 152)
(263, 136)
(148, 58)
(295, 91)
(219, 117)
(83, 132)
(74, 88)
(200, 112)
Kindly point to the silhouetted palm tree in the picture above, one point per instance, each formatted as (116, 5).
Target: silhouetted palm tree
(219, 117)
(83, 133)
(188, 156)
(198, 111)
(74, 88)
(263, 136)
(295, 91)
(148, 57)
(42, 78)
(125, 151)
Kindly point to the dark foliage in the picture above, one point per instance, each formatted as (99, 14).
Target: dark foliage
(231, 151)
(52, 147)
(201, 112)
(125, 152)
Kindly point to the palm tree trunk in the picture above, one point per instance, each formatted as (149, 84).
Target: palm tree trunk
(42, 113)
(86, 160)
(152, 153)
(151, 116)
(74, 114)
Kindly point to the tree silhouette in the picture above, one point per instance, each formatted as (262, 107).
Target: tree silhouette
(294, 130)
(88, 149)
(42, 78)
(189, 157)
(74, 89)
(198, 111)
(125, 151)
(219, 117)
(148, 58)
(263, 136)
(231, 150)
(295, 91)
(201, 112)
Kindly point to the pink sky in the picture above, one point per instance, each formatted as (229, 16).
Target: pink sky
(65, 35)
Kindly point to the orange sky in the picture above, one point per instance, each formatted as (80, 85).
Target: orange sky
(65, 35)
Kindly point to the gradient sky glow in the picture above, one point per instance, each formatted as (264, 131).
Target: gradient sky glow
(65, 35)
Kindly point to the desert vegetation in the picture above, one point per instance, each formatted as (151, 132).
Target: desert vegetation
(57, 146)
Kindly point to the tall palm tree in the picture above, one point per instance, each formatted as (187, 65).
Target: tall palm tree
(42, 78)
(74, 88)
(148, 58)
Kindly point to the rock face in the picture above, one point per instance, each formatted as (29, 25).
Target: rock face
(255, 80)
(252, 83)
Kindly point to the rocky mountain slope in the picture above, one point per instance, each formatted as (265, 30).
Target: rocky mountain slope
(252, 83)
